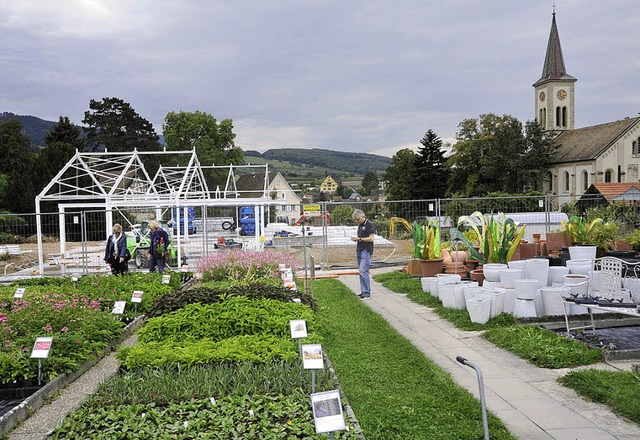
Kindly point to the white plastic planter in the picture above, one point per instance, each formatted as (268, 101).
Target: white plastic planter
(524, 308)
(497, 301)
(446, 291)
(479, 309)
(537, 269)
(516, 264)
(581, 266)
(509, 300)
(552, 300)
(425, 282)
(508, 275)
(556, 274)
(570, 281)
(433, 286)
(492, 271)
(583, 252)
(525, 288)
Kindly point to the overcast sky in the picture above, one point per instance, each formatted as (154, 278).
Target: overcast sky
(364, 76)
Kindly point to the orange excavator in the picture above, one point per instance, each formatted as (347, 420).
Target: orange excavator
(312, 219)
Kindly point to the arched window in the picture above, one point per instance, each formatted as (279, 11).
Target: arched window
(567, 185)
(585, 181)
(607, 176)
(547, 182)
(634, 148)
(564, 116)
(541, 121)
(544, 114)
(558, 117)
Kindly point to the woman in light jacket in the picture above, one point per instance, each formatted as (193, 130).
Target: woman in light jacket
(116, 252)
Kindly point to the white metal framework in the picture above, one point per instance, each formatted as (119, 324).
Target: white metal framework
(112, 181)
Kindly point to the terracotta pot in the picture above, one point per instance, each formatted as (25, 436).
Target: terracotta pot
(477, 275)
(527, 250)
(556, 241)
(472, 264)
(622, 245)
(430, 268)
(414, 267)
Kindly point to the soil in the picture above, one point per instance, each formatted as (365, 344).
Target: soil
(10, 263)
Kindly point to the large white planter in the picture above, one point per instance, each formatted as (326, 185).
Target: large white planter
(479, 309)
(525, 288)
(552, 300)
(508, 275)
(516, 264)
(452, 294)
(509, 300)
(537, 269)
(425, 282)
(582, 266)
(492, 271)
(583, 252)
(446, 277)
(556, 274)
(581, 291)
(524, 308)
(433, 286)
(497, 301)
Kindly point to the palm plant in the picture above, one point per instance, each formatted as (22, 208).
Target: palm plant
(498, 237)
(427, 244)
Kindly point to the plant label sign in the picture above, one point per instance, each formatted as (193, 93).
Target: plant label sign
(166, 279)
(137, 296)
(298, 328)
(19, 292)
(74, 279)
(118, 307)
(185, 268)
(327, 411)
(286, 273)
(312, 357)
(41, 348)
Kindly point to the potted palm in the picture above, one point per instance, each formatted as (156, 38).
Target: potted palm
(582, 235)
(427, 246)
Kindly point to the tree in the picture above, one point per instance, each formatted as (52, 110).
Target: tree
(114, 125)
(431, 174)
(61, 145)
(369, 183)
(213, 141)
(495, 154)
(16, 168)
(400, 175)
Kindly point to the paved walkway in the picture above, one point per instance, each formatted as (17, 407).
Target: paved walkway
(527, 399)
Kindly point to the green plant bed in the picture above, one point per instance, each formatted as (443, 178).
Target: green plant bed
(251, 348)
(543, 348)
(212, 292)
(395, 391)
(616, 389)
(234, 316)
(230, 417)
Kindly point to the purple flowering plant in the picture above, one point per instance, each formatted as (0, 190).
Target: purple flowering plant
(244, 265)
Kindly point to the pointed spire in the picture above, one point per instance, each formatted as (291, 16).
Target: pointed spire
(553, 68)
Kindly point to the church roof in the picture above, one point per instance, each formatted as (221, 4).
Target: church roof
(589, 142)
(553, 68)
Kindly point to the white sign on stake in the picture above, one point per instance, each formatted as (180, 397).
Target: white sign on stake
(118, 307)
(298, 328)
(74, 279)
(185, 268)
(312, 357)
(166, 279)
(327, 411)
(41, 348)
(19, 292)
(137, 296)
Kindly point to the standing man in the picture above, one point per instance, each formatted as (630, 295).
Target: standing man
(364, 250)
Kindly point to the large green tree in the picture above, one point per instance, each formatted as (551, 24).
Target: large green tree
(400, 175)
(370, 182)
(213, 141)
(114, 125)
(61, 145)
(495, 154)
(16, 168)
(431, 175)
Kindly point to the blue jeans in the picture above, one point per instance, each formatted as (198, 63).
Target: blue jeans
(156, 262)
(364, 263)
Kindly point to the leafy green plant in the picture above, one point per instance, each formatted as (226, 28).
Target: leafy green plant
(498, 237)
(581, 230)
(427, 243)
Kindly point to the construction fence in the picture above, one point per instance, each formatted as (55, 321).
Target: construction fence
(74, 241)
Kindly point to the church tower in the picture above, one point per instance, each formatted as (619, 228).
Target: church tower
(555, 97)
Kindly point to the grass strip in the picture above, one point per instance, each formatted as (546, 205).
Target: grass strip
(395, 391)
(617, 389)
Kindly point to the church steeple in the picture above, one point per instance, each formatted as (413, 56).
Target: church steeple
(555, 89)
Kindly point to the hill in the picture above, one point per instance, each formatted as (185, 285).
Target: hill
(35, 128)
(313, 164)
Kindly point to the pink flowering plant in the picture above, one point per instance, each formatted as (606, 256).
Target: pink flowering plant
(244, 265)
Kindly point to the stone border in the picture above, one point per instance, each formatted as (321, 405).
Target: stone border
(31, 404)
(343, 398)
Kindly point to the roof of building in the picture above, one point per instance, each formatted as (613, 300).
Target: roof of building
(252, 185)
(614, 191)
(553, 68)
(589, 142)
(334, 177)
